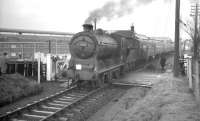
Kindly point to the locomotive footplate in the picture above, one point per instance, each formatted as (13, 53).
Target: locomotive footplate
(110, 68)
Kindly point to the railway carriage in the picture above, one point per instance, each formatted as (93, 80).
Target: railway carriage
(99, 57)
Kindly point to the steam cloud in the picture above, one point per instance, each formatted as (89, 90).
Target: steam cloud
(112, 9)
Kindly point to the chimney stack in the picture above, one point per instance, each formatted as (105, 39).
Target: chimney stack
(87, 27)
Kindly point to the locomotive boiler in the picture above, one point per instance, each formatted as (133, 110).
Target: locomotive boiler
(88, 43)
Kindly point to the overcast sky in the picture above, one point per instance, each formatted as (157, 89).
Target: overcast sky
(150, 17)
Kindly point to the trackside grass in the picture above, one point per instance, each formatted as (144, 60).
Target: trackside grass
(16, 86)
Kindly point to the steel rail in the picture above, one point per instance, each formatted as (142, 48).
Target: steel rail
(7, 116)
(71, 105)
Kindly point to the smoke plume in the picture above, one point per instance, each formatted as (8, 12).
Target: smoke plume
(111, 9)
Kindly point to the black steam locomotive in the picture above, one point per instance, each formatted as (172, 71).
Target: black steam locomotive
(98, 57)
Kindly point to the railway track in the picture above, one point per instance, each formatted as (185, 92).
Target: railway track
(45, 109)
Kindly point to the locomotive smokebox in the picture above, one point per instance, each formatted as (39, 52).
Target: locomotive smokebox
(87, 27)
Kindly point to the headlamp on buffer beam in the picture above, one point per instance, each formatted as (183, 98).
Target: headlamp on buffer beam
(78, 66)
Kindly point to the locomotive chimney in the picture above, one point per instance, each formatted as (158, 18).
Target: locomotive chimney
(132, 28)
(87, 27)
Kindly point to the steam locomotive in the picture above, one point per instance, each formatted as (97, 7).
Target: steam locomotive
(98, 57)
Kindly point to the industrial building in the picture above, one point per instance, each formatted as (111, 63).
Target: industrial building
(24, 47)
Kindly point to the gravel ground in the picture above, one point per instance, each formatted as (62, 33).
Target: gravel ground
(49, 88)
(168, 100)
(116, 107)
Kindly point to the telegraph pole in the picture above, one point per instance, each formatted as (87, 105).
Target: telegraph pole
(196, 54)
(176, 48)
(195, 33)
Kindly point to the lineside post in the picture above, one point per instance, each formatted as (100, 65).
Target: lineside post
(176, 55)
(196, 55)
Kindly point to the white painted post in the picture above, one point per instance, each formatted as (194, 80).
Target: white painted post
(49, 67)
(39, 67)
